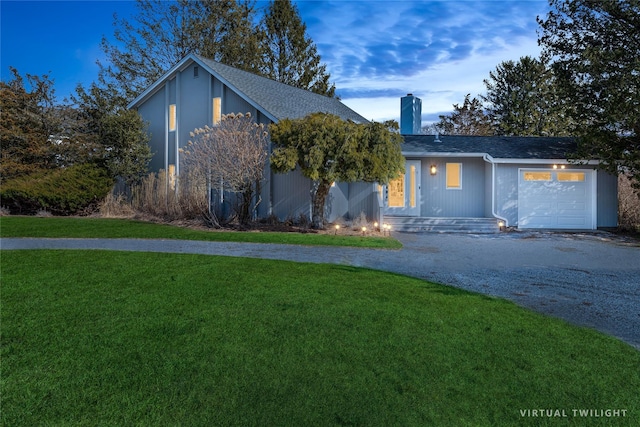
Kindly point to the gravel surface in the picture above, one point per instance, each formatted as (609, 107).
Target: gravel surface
(590, 280)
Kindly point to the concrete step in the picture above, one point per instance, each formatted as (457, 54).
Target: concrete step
(442, 225)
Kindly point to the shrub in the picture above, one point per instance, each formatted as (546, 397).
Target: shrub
(75, 190)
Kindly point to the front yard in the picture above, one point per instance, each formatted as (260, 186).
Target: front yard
(111, 338)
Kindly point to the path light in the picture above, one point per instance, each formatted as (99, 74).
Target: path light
(364, 230)
(375, 225)
(501, 225)
(337, 228)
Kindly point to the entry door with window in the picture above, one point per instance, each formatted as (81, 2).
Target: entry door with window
(402, 195)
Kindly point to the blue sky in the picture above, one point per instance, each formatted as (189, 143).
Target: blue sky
(375, 51)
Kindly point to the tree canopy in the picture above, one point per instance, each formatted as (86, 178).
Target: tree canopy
(291, 57)
(328, 149)
(595, 49)
(522, 100)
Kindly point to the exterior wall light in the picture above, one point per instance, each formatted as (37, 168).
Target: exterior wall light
(433, 170)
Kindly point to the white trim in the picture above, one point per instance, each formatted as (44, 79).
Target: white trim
(526, 161)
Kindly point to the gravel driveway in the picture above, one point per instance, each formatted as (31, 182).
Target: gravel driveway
(590, 280)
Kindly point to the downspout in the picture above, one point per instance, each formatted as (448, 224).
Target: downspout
(487, 158)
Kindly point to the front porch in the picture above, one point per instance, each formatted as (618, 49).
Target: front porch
(443, 225)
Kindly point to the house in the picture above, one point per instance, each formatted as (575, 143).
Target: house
(198, 91)
(524, 182)
(456, 181)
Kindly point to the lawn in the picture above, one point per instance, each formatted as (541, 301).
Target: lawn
(116, 338)
(49, 227)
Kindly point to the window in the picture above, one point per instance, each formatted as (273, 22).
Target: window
(537, 176)
(412, 186)
(454, 175)
(172, 117)
(217, 110)
(571, 176)
(395, 192)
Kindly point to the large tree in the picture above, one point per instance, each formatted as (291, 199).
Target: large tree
(27, 123)
(522, 100)
(291, 57)
(164, 32)
(114, 137)
(595, 48)
(328, 149)
(468, 119)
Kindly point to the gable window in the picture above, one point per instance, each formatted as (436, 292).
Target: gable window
(172, 117)
(454, 175)
(217, 110)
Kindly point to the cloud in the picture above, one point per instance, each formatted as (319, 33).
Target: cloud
(377, 51)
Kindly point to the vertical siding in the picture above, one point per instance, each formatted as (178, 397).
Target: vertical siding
(607, 199)
(193, 105)
(153, 112)
(507, 192)
(362, 198)
(337, 202)
(439, 201)
(291, 195)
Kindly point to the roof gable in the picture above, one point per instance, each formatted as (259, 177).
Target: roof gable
(498, 147)
(274, 99)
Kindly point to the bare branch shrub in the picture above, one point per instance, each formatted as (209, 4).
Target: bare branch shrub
(231, 156)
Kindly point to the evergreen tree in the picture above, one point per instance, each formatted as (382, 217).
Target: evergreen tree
(328, 149)
(596, 50)
(290, 56)
(523, 100)
(27, 123)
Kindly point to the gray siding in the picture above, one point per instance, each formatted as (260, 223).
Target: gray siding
(607, 200)
(507, 192)
(291, 195)
(362, 198)
(153, 113)
(338, 202)
(438, 201)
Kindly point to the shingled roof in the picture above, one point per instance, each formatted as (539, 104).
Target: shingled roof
(274, 99)
(498, 147)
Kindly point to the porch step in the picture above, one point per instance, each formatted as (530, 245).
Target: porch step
(442, 225)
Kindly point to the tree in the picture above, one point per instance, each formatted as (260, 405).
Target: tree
(328, 149)
(523, 101)
(115, 137)
(290, 55)
(164, 32)
(231, 155)
(469, 119)
(27, 123)
(595, 48)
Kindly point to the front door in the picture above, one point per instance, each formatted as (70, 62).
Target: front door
(402, 195)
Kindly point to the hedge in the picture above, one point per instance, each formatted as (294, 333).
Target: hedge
(65, 191)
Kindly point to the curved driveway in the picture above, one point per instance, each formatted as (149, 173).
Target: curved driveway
(590, 280)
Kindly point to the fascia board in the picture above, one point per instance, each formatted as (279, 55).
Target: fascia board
(439, 154)
(544, 161)
(158, 83)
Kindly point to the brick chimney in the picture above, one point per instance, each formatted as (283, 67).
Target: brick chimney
(410, 115)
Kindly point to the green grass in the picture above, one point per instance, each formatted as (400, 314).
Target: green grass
(116, 338)
(118, 228)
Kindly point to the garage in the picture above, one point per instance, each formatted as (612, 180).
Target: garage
(556, 199)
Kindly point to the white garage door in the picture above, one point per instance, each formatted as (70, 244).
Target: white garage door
(556, 199)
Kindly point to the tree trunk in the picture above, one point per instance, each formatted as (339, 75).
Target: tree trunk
(318, 200)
